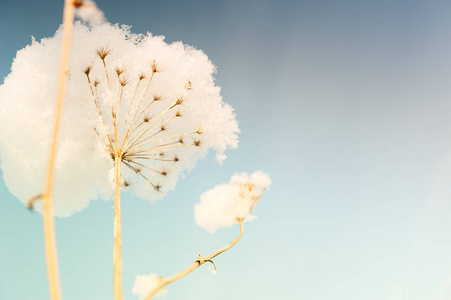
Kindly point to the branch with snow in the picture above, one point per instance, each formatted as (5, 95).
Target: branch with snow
(138, 114)
(222, 206)
(225, 203)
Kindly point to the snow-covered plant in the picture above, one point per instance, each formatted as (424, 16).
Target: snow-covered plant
(222, 206)
(138, 112)
(152, 105)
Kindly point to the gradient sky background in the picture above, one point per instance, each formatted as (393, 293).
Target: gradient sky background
(346, 104)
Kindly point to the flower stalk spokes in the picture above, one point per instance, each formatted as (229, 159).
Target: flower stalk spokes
(133, 141)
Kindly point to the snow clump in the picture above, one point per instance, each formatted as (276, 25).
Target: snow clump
(161, 97)
(223, 205)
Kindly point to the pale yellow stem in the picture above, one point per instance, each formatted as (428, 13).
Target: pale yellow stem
(117, 254)
(114, 115)
(117, 113)
(47, 211)
(195, 265)
(106, 73)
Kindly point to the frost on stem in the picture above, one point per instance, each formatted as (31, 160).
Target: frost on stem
(225, 203)
(160, 98)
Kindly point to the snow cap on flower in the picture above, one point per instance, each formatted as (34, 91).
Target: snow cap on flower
(225, 203)
(144, 284)
(162, 97)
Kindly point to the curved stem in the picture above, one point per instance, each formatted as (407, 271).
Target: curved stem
(117, 253)
(195, 265)
(47, 212)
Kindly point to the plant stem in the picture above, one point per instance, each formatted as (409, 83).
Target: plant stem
(195, 265)
(47, 213)
(117, 254)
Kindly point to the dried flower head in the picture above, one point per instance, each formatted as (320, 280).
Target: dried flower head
(126, 183)
(223, 205)
(108, 116)
(154, 67)
(197, 143)
(87, 70)
(189, 85)
(102, 52)
(119, 71)
(123, 81)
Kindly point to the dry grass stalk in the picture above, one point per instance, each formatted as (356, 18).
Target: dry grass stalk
(47, 213)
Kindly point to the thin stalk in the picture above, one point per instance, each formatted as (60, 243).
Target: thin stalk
(128, 111)
(146, 128)
(117, 253)
(165, 146)
(133, 147)
(114, 115)
(99, 111)
(47, 213)
(161, 126)
(106, 74)
(195, 265)
(134, 119)
(144, 166)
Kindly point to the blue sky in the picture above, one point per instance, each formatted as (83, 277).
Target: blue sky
(345, 104)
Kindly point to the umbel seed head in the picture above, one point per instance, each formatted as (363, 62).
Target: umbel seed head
(114, 108)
